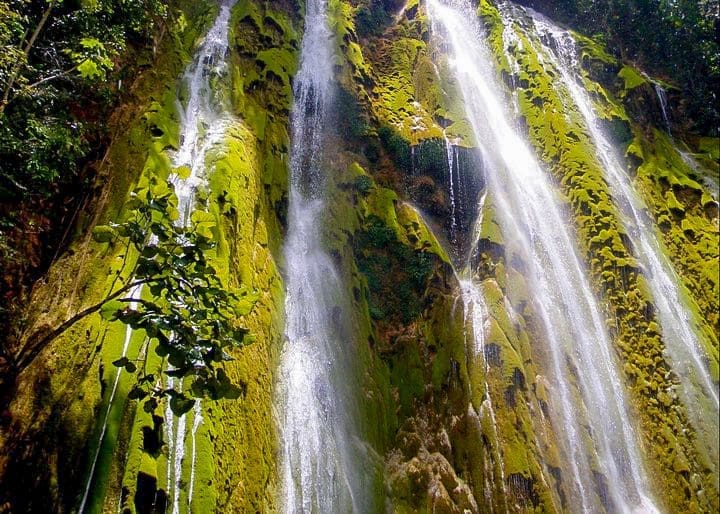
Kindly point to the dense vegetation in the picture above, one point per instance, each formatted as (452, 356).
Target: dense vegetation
(61, 73)
(677, 39)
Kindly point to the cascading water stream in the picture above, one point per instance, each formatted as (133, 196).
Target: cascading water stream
(573, 323)
(204, 121)
(684, 343)
(203, 124)
(452, 164)
(321, 464)
(476, 316)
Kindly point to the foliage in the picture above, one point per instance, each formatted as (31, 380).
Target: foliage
(371, 18)
(396, 274)
(189, 316)
(92, 60)
(397, 147)
(59, 65)
(431, 158)
(11, 30)
(363, 184)
(50, 52)
(349, 115)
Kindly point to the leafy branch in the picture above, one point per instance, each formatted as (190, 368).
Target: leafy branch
(185, 310)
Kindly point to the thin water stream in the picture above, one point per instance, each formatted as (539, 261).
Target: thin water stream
(685, 344)
(134, 293)
(710, 181)
(476, 317)
(589, 408)
(662, 99)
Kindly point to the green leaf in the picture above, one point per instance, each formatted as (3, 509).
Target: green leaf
(137, 393)
(133, 203)
(181, 404)
(203, 223)
(91, 42)
(249, 338)
(176, 359)
(150, 405)
(183, 172)
(122, 361)
(150, 251)
(109, 310)
(89, 69)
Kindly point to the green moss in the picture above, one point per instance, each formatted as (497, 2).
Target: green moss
(416, 232)
(247, 235)
(70, 383)
(710, 146)
(278, 63)
(489, 229)
(631, 78)
(379, 253)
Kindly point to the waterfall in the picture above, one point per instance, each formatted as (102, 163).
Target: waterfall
(591, 418)
(684, 345)
(204, 121)
(321, 465)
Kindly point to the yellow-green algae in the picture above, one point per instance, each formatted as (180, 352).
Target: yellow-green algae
(424, 360)
(245, 178)
(235, 464)
(391, 61)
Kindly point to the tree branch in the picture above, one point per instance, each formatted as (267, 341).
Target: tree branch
(56, 76)
(31, 350)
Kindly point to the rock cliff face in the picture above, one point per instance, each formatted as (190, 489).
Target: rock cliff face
(450, 431)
